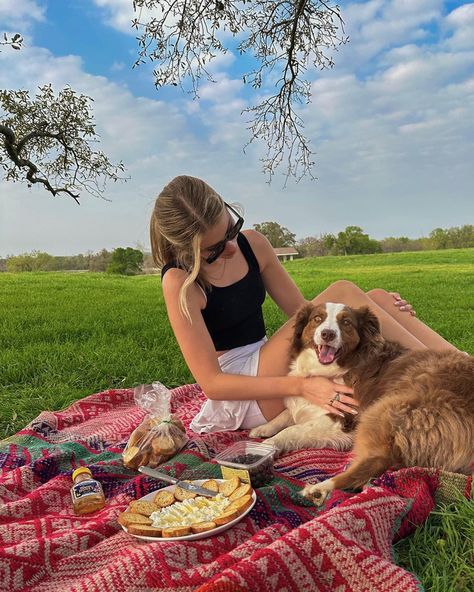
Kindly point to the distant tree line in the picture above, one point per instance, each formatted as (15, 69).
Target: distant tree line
(125, 261)
(354, 241)
(351, 241)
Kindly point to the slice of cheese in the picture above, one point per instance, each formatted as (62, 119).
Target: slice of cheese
(190, 511)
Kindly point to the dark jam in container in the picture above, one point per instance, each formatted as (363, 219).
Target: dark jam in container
(254, 457)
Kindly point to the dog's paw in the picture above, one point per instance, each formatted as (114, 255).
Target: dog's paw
(318, 493)
(278, 445)
(260, 432)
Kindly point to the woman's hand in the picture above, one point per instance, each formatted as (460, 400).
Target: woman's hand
(403, 305)
(334, 398)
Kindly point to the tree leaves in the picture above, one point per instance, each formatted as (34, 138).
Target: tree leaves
(49, 138)
(14, 42)
(278, 236)
(126, 261)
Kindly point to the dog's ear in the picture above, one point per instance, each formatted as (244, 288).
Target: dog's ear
(301, 320)
(369, 325)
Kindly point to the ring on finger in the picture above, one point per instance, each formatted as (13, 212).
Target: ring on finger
(337, 397)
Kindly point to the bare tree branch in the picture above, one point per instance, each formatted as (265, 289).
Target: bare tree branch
(13, 149)
(47, 140)
(288, 40)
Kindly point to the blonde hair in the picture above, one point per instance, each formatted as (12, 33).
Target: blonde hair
(185, 209)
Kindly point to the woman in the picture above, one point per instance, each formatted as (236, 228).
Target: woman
(215, 278)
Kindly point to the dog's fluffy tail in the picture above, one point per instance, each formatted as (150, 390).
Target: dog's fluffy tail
(436, 433)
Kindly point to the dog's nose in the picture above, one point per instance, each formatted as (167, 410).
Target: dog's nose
(328, 335)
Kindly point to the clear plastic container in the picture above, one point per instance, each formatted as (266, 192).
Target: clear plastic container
(255, 458)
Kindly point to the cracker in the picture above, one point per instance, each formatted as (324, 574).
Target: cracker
(241, 504)
(244, 489)
(163, 499)
(126, 518)
(211, 484)
(144, 530)
(183, 494)
(203, 527)
(229, 486)
(143, 507)
(176, 531)
(226, 517)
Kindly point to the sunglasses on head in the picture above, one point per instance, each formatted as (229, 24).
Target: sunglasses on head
(216, 250)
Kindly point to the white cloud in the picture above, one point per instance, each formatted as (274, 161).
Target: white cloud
(20, 14)
(222, 61)
(126, 123)
(120, 13)
(375, 26)
(461, 21)
(221, 90)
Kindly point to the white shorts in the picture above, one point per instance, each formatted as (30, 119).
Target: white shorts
(218, 416)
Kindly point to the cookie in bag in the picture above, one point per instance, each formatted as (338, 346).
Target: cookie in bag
(160, 435)
(133, 457)
(163, 445)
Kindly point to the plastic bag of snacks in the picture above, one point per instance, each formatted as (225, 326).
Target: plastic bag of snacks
(160, 435)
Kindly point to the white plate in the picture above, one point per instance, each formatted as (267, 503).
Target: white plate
(191, 537)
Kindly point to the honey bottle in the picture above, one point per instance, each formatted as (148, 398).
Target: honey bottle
(87, 494)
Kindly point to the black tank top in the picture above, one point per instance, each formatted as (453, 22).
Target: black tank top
(233, 314)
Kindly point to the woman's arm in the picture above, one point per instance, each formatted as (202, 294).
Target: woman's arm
(199, 353)
(200, 356)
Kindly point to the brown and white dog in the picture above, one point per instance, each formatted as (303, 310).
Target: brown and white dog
(323, 336)
(416, 407)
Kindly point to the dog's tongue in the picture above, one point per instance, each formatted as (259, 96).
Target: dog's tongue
(327, 354)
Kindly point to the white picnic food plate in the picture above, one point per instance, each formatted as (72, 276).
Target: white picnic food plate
(190, 537)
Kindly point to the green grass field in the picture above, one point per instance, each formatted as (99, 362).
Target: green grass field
(66, 335)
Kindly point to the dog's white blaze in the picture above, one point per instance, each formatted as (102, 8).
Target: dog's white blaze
(330, 323)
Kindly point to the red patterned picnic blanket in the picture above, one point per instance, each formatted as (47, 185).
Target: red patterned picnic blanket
(283, 544)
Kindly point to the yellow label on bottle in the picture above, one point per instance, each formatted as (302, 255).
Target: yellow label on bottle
(228, 473)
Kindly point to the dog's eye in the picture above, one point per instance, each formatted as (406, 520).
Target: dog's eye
(318, 319)
(347, 322)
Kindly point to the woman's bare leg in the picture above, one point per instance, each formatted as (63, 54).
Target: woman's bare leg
(422, 332)
(351, 295)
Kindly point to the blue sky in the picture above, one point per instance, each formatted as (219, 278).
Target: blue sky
(392, 126)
